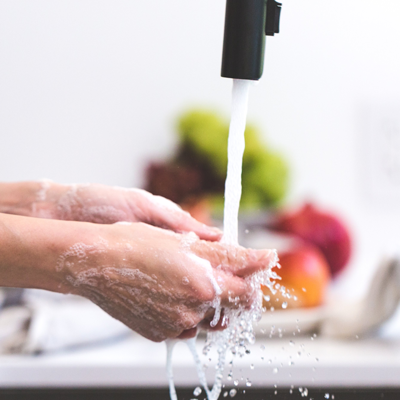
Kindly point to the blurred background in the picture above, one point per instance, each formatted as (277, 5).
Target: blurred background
(92, 91)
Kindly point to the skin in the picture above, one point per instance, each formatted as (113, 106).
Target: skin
(151, 274)
(98, 204)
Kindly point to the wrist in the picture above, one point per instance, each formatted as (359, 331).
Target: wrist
(32, 199)
(17, 197)
(31, 250)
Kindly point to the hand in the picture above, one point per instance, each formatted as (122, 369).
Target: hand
(159, 283)
(107, 205)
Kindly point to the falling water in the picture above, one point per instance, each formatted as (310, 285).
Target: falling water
(236, 144)
(240, 330)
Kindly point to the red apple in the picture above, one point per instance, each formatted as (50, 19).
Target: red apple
(305, 274)
(323, 229)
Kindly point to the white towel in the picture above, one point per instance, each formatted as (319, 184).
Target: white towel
(49, 322)
(362, 317)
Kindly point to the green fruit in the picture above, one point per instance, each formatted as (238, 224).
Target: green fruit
(268, 177)
(207, 135)
(265, 173)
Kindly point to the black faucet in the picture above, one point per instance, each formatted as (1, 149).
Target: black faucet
(246, 24)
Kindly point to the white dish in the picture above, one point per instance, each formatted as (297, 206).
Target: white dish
(301, 320)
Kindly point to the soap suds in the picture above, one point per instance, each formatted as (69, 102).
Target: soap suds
(45, 185)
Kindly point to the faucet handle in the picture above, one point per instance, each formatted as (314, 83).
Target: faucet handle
(273, 17)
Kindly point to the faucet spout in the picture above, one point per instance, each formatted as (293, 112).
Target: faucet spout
(246, 24)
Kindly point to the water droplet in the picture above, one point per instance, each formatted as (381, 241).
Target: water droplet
(326, 396)
(291, 342)
(185, 280)
(291, 391)
(251, 366)
(248, 383)
(197, 391)
(225, 394)
(290, 363)
(267, 298)
(304, 289)
(229, 377)
(276, 392)
(284, 305)
(236, 382)
(246, 231)
(317, 359)
(275, 370)
(262, 347)
(232, 392)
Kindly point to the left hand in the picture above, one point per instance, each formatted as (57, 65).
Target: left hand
(107, 205)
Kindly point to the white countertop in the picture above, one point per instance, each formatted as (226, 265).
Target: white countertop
(135, 362)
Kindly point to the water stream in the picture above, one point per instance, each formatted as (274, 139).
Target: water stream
(236, 145)
(240, 330)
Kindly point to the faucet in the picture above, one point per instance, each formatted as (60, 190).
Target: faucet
(246, 24)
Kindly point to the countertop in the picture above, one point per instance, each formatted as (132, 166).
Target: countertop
(136, 362)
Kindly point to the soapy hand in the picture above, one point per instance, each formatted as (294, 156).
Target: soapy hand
(107, 205)
(159, 283)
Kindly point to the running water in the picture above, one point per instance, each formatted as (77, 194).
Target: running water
(240, 330)
(170, 347)
(236, 144)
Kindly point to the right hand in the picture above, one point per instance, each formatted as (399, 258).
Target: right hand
(159, 283)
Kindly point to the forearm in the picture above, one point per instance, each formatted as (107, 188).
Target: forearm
(30, 249)
(31, 198)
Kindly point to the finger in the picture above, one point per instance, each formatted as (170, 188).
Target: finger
(188, 334)
(235, 291)
(235, 259)
(220, 326)
(172, 217)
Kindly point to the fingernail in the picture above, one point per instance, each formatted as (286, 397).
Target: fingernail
(214, 230)
(260, 255)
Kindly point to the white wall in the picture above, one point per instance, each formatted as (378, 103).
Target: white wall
(89, 90)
